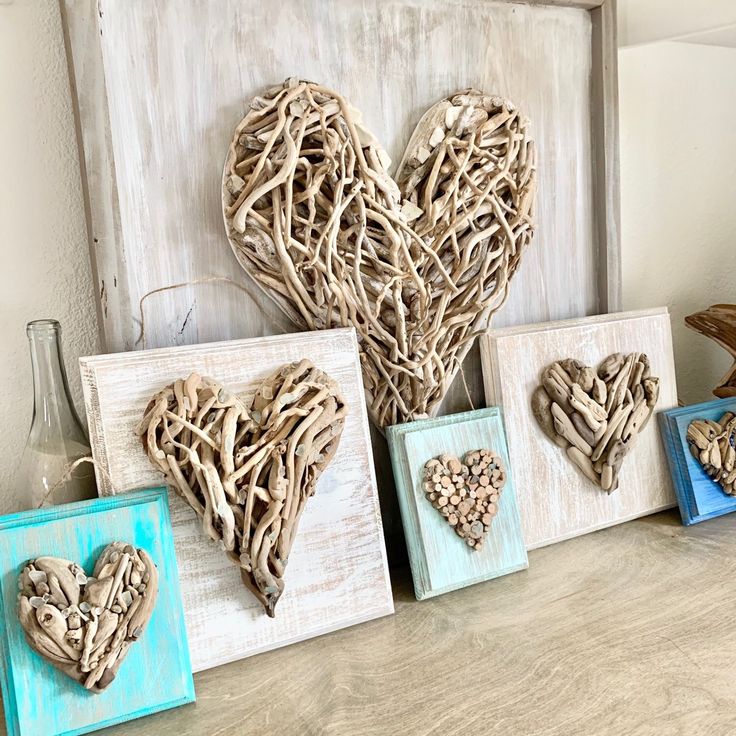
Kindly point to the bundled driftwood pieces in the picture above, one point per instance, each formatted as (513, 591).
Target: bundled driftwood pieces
(417, 264)
(596, 415)
(85, 625)
(719, 324)
(713, 445)
(466, 492)
(248, 467)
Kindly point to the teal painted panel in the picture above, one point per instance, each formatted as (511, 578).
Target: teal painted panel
(440, 560)
(699, 497)
(40, 700)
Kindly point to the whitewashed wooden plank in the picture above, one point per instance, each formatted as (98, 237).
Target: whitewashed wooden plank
(162, 85)
(556, 501)
(337, 573)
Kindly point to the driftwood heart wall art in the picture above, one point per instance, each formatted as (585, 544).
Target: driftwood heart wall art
(466, 492)
(248, 468)
(595, 415)
(713, 445)
(417, 263)
(85, 625)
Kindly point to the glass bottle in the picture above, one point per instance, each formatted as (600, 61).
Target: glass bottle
(57, 437)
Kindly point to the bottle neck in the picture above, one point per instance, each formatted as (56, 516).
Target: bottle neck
(53, 410)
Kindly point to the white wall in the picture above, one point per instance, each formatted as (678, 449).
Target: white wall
(678, 160)
(678, 193)
(44, 268)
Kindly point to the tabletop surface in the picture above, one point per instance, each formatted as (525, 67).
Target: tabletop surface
(629, 630)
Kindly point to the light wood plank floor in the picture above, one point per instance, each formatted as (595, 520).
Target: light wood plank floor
(631, 630)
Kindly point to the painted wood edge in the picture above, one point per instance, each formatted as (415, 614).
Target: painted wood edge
(124, 358)
(7, 687)
(676, 472)
(95, 426)
(605, 149)
(365, 427)
(432, 422)
(81, 29)
(433, 592)
(83, 508)
(396, 438)
(593, 321)
(693, 409)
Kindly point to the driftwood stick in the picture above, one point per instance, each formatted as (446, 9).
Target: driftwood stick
(719, 324)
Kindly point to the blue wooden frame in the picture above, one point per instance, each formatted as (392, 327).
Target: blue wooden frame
(40, 700)
(440, 561)
(699, 497)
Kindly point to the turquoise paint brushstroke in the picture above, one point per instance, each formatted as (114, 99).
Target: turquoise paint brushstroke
(41, 701)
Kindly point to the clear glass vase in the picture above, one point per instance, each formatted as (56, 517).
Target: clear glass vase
(57, 438)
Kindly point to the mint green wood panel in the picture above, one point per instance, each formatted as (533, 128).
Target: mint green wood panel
(40, 700)
(440, 560)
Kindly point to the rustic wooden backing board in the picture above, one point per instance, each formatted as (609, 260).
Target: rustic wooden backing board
(162, 85)
(556, 501)
(337, 573)
(440, 559)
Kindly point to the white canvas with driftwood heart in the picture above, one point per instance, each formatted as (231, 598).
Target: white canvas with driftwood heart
(578, 397)
(336, 574)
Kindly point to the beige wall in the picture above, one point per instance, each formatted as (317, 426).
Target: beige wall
(678, 171)
(44, 270)
(678, 193)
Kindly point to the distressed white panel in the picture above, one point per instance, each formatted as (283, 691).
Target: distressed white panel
(555, 499)
(337, 573)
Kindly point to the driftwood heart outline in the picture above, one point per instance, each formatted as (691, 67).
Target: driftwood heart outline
(466, 492)
(596, 414)
(248, 467)
(84, 625)
(417, 263)
(713, 445)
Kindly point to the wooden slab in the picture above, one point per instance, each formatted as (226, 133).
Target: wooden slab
(440, 559)
(337, 574)
(40, 700)
(699, 497)
(556, 501)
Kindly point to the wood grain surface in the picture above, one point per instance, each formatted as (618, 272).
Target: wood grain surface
(440, 560)
(337, 573)
(556, 501)
(625, 632)
(161, 87)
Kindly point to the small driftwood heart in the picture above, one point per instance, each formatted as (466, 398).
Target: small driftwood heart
(596, 416)
(85, 625)
(466, 492)
(417, 263)
(713, 445)
(248, 467)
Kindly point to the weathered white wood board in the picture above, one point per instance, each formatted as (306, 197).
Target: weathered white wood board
(556, 500)
(162, 85)
(337, 573)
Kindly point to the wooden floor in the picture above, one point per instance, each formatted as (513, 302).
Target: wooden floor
(631, 630)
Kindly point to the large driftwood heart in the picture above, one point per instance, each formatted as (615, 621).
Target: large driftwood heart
(85, 625)
(713, 445)
(596, 416)
(248, 467)
(417, 264)
(466, 492)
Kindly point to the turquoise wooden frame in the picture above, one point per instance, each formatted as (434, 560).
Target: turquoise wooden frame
(440, 561)
(40, 700)
(699, 497)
